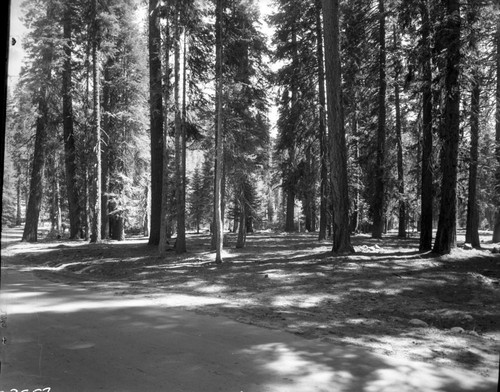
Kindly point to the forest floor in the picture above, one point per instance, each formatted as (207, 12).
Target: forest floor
(387, 297)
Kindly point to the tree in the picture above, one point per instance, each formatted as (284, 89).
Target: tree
(379, 197)
(496, 230)
(96, 233)
(449, 38)
(427, 126)
(44, 51)
(68, 127)
(156, 120)
(472, 224)
(322, 127)
(219, 148)
(338, 153)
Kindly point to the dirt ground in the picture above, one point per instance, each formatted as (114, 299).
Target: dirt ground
(387, 297)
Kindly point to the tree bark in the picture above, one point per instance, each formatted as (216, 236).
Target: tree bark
(219, 148)
(472, 224)
(72, 190)
(96, 234)
(426, 179)
(496, 228)
(164, 220)
(379, 197)
(338, 150)
(323, 217)
(30, 233)
(450, 129)
(180, 243)
(156, 121)
(399, 139)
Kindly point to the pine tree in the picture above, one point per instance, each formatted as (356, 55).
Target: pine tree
(449, 36)
(338, 153)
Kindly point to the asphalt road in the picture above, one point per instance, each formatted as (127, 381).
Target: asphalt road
(61, 338)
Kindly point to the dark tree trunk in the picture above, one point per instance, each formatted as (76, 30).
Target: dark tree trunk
(399, 139)
(472, 225)
(219, 148)
(156, 121)
(450, 129)
(72, 190)
(426, 179)
(106, 148)
(496, 228)
(355, 218)
(379, 196)
(165, 222)
(290, 210)
(180, 243)
(96, 234)
(30, 233)
(338, 150)
(242, 227)
(323, 213)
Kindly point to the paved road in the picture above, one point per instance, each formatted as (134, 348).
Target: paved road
(72, 339)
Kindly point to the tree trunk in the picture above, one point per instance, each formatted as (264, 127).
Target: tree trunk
(472, 225)
(96, 234)
(399, 139)
(30, 233)
(242, 227)
(180, 243)
(449, 130)
(496, 228)
(18, 199)
(219, 148)
(379, 197)
(426, 179)
(338, 150)
(323, 213)
(156, 121)
(355, 218)
(106, 149)
(164, 220)
(72, 190)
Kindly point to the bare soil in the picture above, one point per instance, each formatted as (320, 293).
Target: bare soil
(387, 297)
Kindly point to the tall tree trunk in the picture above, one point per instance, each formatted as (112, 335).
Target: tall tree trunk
(18, 198)
(72, 189)
(379, 197)
(219, 148)
(106, 148)
(323, 217)
(450, 129)
(96, 234)
(399, 139)
(290, 188)
(426, 179)
(30, 233)
(338, 149)
(156, 120)
(355, 218)
(180, 243)
(496, 229)
(472, 224)
(165, 221)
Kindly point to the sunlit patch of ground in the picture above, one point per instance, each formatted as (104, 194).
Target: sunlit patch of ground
(293, 283)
